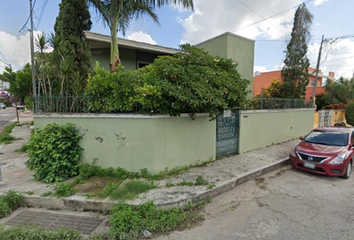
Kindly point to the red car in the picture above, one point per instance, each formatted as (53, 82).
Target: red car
(326, 151)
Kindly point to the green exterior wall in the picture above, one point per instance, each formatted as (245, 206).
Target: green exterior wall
(238, 48)
(137, 142)
(262, 128)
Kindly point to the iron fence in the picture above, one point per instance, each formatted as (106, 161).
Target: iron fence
(278, 103)
(87, 104)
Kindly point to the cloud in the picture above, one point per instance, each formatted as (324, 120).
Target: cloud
(319, 2)
(337, 57)
(16, 50)
(141, 37)
(210, 19)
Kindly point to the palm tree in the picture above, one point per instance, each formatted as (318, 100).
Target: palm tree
(118, 14)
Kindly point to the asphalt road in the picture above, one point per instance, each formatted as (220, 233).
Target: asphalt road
(288, 204)
(6, 115)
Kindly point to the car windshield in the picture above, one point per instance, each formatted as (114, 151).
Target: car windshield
(327, 138)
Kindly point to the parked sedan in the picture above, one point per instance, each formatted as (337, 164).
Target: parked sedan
(2, 105)
(326, 151)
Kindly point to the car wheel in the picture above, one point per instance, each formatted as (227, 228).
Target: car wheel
(348, 171)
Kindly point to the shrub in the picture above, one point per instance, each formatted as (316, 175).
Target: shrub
(64, 190)
(201, 181)
(36, 233)
(54, 152)
(349, 113)
(5, 136)
(5, 210)
(191, 82)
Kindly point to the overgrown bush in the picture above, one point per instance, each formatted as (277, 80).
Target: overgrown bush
(54, 152)
(191, 82)
(349, 113)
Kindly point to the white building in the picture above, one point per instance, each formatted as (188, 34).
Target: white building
(4, 85)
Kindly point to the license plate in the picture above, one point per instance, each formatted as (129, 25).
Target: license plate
(309, 165)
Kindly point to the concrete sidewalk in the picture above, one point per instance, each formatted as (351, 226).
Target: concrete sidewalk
(224, 174)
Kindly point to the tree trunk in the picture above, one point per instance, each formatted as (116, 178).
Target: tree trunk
(114, 49)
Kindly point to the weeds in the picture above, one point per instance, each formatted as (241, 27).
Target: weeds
(130, 190)
(5, 136)
(64, 189)
(9, 202)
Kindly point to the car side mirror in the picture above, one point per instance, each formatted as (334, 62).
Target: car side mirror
(302, 138)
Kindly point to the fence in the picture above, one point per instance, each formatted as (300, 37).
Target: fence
(87, 104)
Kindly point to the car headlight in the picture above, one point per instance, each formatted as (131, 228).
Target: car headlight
(293, 153)
(339, 159)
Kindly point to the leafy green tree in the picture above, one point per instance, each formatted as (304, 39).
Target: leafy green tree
(20, 82)
(118, 14)
(275, 90)
(349, 113)
(71, 52)
(340, 91)
(295, 71)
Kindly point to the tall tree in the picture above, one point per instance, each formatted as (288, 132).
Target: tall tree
(118, 14)
(72, 50)
(295, 71)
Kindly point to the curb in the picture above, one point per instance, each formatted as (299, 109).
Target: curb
(81, 203)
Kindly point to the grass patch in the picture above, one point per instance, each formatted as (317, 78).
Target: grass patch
(29, 192)
(5, 134)
(37, 233)
(9, 202)
(130, 190)
(128, 222)
(201, 181)
(64, 189)
(46, 194)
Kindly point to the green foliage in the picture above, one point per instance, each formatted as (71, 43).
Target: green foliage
(340, 91)
(23, 149)
(130, 190)
(54, 152)
(201, 181)
(36, 233)
(20, 82)
(46, 194)
(72, 21)
(191, 82)
(28, 102)
(9, 202)
(349, 113)
(5, 134)
(129, 222)
(64, 189)
(295, 71)
(275, 90)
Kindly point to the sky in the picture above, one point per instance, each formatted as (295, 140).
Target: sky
(332, 18)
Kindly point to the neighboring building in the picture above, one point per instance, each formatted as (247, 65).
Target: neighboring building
(264, 80)
(4, 85)
(135, 54)
(239, 49)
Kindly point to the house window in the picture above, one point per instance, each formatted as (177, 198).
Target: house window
(142, 64)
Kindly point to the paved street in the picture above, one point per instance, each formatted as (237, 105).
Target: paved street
(6, 115)
(287, 204)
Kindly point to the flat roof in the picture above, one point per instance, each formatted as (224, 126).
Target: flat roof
(225, 34)
(126, 43)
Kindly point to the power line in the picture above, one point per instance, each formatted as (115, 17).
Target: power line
(277, 14)
(42, 13)
(28, 18)
(244, 4)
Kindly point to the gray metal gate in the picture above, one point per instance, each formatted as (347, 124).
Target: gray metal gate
(227, 134)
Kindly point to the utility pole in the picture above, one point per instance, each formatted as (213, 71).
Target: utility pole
(32, 59)
(317, 70)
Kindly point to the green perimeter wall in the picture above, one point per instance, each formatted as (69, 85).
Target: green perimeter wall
(262, 128)
(135, 142)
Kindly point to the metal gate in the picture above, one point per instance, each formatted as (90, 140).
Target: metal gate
(227, 134)
(325, 118)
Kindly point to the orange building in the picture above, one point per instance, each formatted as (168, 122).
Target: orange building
(264, 80)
